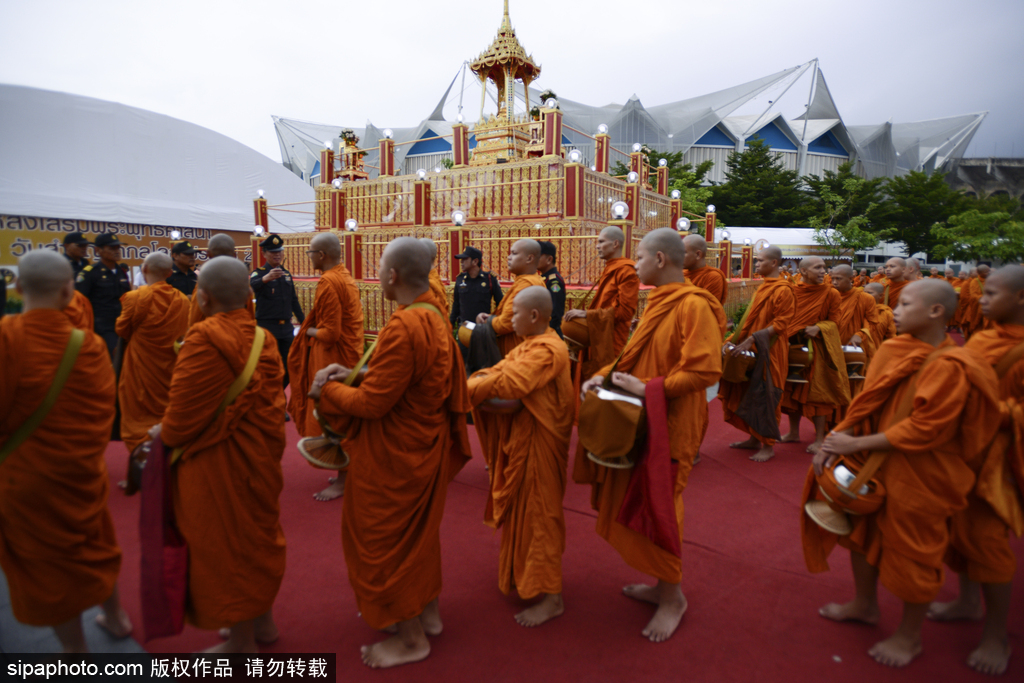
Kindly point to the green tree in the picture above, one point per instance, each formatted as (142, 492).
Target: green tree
(683, 177)
(916, 202)
(759, 191)
(837, 227)
(975, 235)
(860, 197)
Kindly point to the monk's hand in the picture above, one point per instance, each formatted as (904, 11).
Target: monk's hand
(822, 459)
(482, 318)
(311, 332)
(590, 385)
(838, 443)
(855, 340)
(574, 313)
(154, 431)
(628, 382)
(744, 345)
(812, 331)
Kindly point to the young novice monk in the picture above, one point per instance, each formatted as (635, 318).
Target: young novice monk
(885, 325)
(677, 346)
(528, 452)
(979, 549)
(951, 416)
(522, 263)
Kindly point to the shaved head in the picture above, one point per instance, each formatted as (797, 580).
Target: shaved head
(43, 273)
(410, 260)
(535, 298)
(771, 254)
(614, 233)
(810, 262)
(696, 242)
(843, 269)
(1010, 277)
(225, 280)
(935, 292)
(983, 271)
(431, 247)
(902, 263)
(220, 245)
(874, 288)
(666, 240)
(695, 247)
(328, 243)
(529, 247)
(159, 265)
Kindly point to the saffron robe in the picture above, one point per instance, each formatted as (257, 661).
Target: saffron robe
(528, 457)
(818, 305)
(437, 289)
(885, 328)
(79, 312)
(501, 321)
(711, 279)
(773, 305)
(618, 289)
(974, 320)
(226, 486)
(57, 543)
(337, 315)
(406, 428)
(979, 545)
(927, 474)
(891, 296)
(858, 316)
(679, 338)
(152, 319)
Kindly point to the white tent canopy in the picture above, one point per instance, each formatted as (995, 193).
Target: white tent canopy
(67, 156)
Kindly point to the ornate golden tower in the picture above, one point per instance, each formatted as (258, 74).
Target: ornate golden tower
(503, 135)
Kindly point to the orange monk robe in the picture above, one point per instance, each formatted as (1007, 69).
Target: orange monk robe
(679, 338)
(437, 289)
(225, 488)
(891, 296)
(57, 543)
(962, 316)
(974, 319)
(406, 423)
(814, 304)
(528, 452)
(877, 277)
(711, 279)
(152, 319)
(927, 474)
(858, 315)
(337, 315)
(885, 328)
(195, 314)
(618, 289)
(979, 545)
(501, 321)
(773, 305)
(79, 312)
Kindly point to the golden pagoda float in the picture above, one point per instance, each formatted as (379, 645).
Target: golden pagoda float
(518, 183)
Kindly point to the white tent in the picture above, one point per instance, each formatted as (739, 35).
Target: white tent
(67, 156)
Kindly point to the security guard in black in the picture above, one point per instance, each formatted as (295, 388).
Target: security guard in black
(474, 289)
(183, 274)
(276, 299)
(103, 283)
(554, 282)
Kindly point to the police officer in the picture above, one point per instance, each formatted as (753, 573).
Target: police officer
(103, 283)
(554, 282)
(76, 251)
(276, 300)
(183, 275)
(474, 288)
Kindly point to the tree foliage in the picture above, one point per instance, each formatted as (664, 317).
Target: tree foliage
(974, 235)
(759, 191)
(683, 177)
(914, 204)
(840, 229)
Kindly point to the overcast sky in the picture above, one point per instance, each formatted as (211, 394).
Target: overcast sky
(230, 64)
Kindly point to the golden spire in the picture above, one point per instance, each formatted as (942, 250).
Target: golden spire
(505, 49)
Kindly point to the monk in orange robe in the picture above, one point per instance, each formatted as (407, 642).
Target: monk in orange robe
(436, 287)
(953, 413)
(226, 486)
(913, 271)
(965, 305)
(974, 320)
(933, 273)
(678, 346)
(79, 312)
(219, 245)
(979, 547)
(58, 549)
(406, 423)
(885, 326)
(331, 333)
(522, 263)
(610, 307)
(698, 272)
(879, 275)
(528, 452)
(772, 307)
(153, 319)
(816, 326)
(858, 317)
(896, 272)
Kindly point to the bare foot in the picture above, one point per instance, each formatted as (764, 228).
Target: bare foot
(750, 444)
(549, 607)
(764, 455)
(430, 619)
(642, 592)
(665, 621)
(335, 490)
(956, 610)
(990, 658)
(897, 650)
(395, 651)
(790, 438)
(118, 625)
(851, 611)
(814, 447)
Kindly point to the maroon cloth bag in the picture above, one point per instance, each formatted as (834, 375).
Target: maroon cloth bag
(164, 582)
(648, 507)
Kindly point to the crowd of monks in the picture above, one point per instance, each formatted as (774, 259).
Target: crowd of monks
(400, 408)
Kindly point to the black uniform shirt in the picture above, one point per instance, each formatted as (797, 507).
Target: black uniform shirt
(473, 296)
(76, 266)
(276, 300)
(103, 288)
(183, 282)
(556, 285)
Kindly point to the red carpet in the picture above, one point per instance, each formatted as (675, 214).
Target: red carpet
(753, 606)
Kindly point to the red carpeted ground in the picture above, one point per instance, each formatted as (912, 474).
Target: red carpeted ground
(753, 606)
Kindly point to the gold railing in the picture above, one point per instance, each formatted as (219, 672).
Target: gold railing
(384, 201)
(529, 189)
(374, 241)
(577, 259)
(600, 191)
